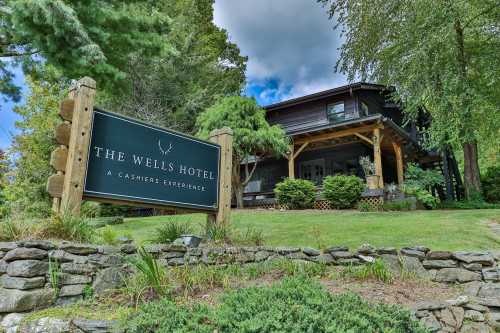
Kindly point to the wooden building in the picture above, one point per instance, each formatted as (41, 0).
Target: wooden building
(331, 129)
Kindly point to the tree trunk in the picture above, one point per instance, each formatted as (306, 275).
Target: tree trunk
(238, 192)
(237, 184)
(472, 181)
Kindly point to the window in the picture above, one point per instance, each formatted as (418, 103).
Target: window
(335, 112)
(364, 109)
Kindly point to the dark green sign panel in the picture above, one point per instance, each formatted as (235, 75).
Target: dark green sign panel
(133, 161)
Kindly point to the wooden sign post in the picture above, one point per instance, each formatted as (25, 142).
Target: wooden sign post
(106, 157)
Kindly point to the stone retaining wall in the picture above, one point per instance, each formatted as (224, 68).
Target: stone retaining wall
(25, 283)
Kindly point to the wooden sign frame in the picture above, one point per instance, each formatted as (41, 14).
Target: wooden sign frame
(69, 159)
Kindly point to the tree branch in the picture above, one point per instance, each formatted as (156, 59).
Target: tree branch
(9, 54)
(249, 175)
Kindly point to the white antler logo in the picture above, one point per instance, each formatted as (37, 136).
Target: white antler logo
(165, 151)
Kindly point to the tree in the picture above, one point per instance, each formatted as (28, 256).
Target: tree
(253, 137)
(30, 152)
(93, 38)
(173, 88)
(441, 56)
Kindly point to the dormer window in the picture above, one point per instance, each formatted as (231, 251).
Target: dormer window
(335, 112)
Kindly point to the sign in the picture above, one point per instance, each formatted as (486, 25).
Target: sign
(129, 160)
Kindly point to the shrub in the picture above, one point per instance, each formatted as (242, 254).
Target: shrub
(68, 227)
(293, 305)
(171, 230)
(251, 236)
(370, 271)
(90, 209)
(152, 272)
(470, 204)
(109, 236)
(419, 182)
(295, 193)
(491, 184)
(342, 191)
(400, 205)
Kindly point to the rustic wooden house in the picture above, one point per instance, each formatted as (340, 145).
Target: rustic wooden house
(331, 129)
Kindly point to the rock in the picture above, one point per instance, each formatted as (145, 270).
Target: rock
(431, 323)
(438, 264)
(21, 253)
(324, 258)
(128, 248)
(392, 263)
(367, 259)
(7, 246)
(286, 250)
(446, 316)
(429, 305)
(490, 290)
(472, 288)
(458, 314)
(109, 279)
(180, 261)
(172, 254)
(472, 267)
(413, 266)
(475, 328)
(489, 302)
(387, 250)
(177, 248)
(476, 307)
(72, 290)
(13, 300)
(47, 324)
(336, 249)
(410, 252)
(493, 319)
(261, 256)
(11, 321)
(96, 326)
(297, 256)
(197, 252)
(3, 267)
(473, 315)
(11, 282)
(310, 251)
(81, 249)
(2, 254)
(439, 255)
(63, 301)
(422, 313)
(107, 249)
(491, 274)
(76, 268)
(459, 301)
(63, 256)
(39, 244)
(484, 258)
(154, 248)
(28, 268)
(124, 240)
(66, 279)
(367, 249)
(103, 260)
(456, 275)
(348, 261)
(342, 254)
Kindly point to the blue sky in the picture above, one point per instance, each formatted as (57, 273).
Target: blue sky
(290, 44)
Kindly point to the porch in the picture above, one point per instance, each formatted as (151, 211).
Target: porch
(335, 149)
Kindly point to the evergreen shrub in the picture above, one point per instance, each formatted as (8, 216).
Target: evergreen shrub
(295, 193)
(343, 191)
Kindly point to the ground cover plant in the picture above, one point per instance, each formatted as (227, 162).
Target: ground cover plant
(299, 305)
(437, 229)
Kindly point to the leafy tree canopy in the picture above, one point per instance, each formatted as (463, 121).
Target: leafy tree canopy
(253, 137)
(441, 56)
(93, 38)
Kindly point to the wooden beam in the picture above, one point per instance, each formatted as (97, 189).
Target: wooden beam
(377, 157)
(399, 162)
(224, 138)
(291, 163)
(58, 158)
(337, 134)
(55, 185)
(362, 137)
(63, 133)
(84, 95)
(304, 145)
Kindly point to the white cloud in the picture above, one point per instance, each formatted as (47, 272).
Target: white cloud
(292, 41)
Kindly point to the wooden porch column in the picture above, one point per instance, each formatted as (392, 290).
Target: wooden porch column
(399, 162)
(291, 163)
(377, 156)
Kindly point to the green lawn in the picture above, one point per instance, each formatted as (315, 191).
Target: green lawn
(439, 229)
